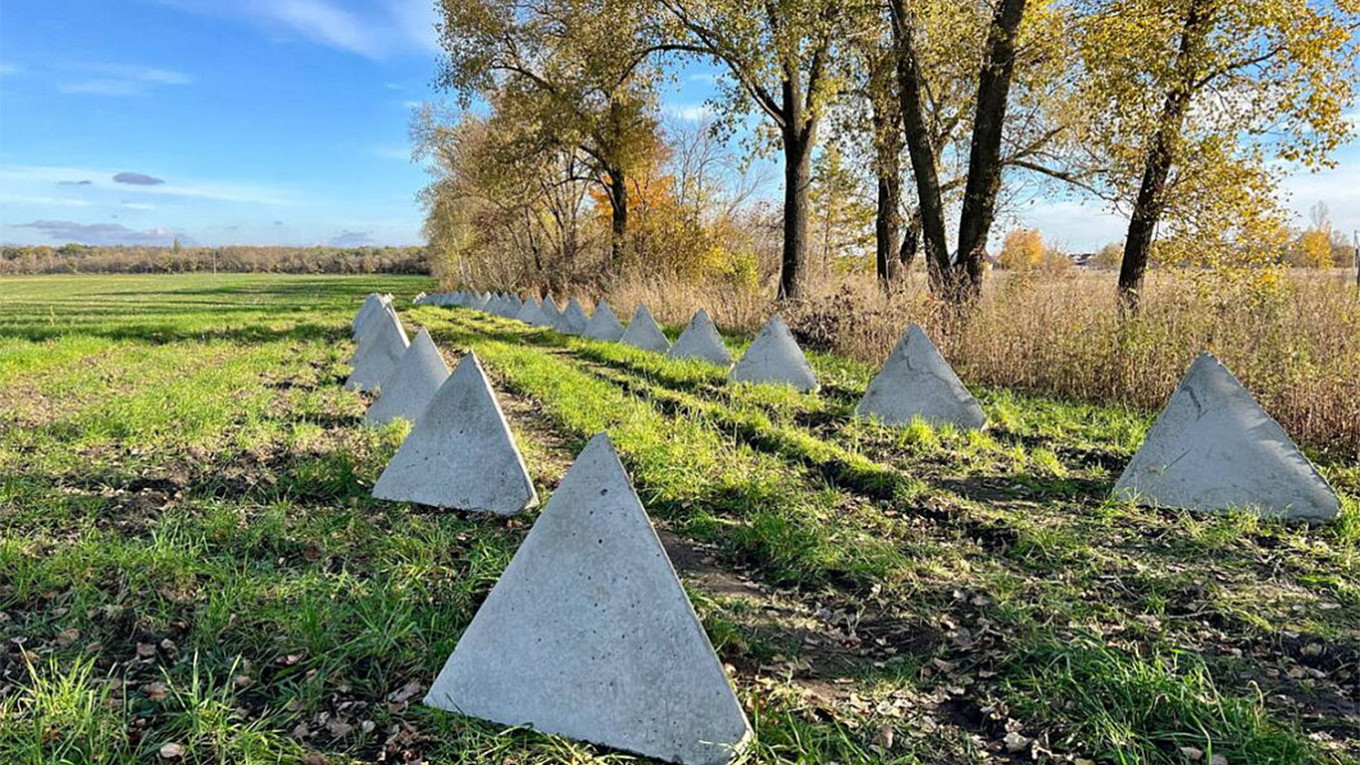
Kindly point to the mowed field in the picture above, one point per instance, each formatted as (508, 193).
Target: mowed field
(192, 569)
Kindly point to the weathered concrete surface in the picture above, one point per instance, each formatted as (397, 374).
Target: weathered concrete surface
(588, 633)
(460, 454)
(371, 304)
(532, 314)
(408, 390)
(915, 382)
(644, 333)
(550, 309)
(701, 340)
(573, 319)
(378, 354)
(604, 325)
(371, 319)
(774, 357)
(1213, 448)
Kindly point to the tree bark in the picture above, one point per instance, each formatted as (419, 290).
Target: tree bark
(911, 240)
(887, 215)
(1161, 155)
(799, 135)
(618, 216)
(984, 158)
(920, 147)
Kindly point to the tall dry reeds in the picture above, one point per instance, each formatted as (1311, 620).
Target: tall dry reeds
(1292, 338)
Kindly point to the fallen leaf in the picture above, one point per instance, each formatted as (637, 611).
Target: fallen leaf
(172, 751)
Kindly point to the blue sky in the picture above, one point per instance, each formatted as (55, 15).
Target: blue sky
(282, 122)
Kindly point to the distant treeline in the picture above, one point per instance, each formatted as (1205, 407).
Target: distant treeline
(81, 258)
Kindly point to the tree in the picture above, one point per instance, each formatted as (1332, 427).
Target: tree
(1193, 89)
(1022, 250)
(577, 70)
(779, 56)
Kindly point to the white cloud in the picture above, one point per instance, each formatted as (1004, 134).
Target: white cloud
(8, 69)
(122, 80)
(32, 200)
(392, 26)
(34, 178)
(689, 112)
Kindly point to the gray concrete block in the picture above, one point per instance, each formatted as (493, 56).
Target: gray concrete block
(378, 354)
(774, 357)
(701, 340)
(604, 325)
(550, 309)
(644, 333)
(408, 390)
(588, 633)
(916, 382)
(532, 314)
(1214, 448)
(460, 454)
(573, 319)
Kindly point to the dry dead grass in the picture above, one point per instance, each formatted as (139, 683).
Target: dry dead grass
(1292, 338)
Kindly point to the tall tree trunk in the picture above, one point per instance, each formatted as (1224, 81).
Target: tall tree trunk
(920, 147)
(911, 240)
(1151, 200)
(618, 216)
(984, 157)
(888, 215)
(799, 134)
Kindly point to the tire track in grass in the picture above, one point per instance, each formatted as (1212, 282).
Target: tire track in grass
(752, 426)
(711, 488)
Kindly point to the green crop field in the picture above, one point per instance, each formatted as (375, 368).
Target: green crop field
(192, 569)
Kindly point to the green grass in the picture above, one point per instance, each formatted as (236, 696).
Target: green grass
(189, 554)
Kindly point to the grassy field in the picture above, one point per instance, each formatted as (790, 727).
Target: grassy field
(191, 569)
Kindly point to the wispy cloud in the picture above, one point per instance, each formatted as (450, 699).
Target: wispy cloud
(98, 233)
(688, 112)
(41, 200)
(137, 179)
(9, 69)
(350, 239)
(121, 79)
(34, 176)
(392, 26)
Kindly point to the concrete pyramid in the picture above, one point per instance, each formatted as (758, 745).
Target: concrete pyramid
(916, 381)
(373, 303)
(550, 309)
(588, 633)
(408, 390)
(368, 319)
(460, 454)
(532, 314)
(604, 325)
(379, 351)
(774, 357)
(643, 332)
(1214, 448)
(701, 340)
(573, 319)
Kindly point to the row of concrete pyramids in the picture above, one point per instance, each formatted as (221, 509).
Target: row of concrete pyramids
(1228, 454)
(628, 664)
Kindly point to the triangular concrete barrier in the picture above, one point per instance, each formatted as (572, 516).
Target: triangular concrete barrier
(1214, 448)
(701, 340)
(378, 354)
(604, 325)
(460, 454)
(573, 319)
(408, 390)
(916, 382)
(549, 308)
(644, 333)
(588, 633)
(774, 357)
(371, 302)
(531, 313)
(368, 319)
